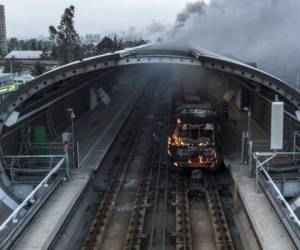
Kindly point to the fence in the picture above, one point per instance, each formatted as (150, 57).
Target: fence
(44, 184)
(262, 159)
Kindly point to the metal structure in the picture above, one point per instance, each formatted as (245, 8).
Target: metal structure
(149, 54)
(31, 197)
(290, 219)
(92, 69)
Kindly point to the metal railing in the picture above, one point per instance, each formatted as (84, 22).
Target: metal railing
(260, 168)
(50, 148)
(250, 146)
(260, 161)
(37, 167)
(43, 184)
(53, 148)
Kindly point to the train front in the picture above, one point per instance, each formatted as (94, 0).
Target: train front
(192, 143)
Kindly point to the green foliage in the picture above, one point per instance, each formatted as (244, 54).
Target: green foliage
(38, 69)
(32, 44)
(110, 45)
(105, 45)
(65, 45)
(135, 43)
(13, 66)
(12, 44)
(89, 50)
(66, 38)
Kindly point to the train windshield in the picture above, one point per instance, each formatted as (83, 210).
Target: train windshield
(197, 132)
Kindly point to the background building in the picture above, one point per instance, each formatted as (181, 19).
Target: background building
(92, 38)
(24, 54)
(26, 59)
(3, 42)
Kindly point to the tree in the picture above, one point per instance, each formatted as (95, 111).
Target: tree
(53, 52)
(38, 69)
(32, 44)
(13, 44)
(89, 50)
(109, 45)
(130, 44)
(66, 38)
(24, 45)
(105, 45)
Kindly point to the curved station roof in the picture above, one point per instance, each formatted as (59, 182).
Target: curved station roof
(149, 54)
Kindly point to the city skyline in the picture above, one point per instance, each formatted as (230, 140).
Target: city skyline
(92, 18)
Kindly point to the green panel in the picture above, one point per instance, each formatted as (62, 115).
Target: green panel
(9, 88)
(40, 136)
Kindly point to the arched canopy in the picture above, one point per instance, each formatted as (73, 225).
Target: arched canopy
(149, 54)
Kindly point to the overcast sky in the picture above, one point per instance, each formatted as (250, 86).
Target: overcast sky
(30, 18)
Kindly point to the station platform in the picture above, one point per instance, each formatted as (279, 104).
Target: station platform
(270, 232)
(268, 228)
(94, 143)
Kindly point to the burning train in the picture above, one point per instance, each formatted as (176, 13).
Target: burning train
(194, 137)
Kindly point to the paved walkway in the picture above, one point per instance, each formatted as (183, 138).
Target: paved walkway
(266, 223)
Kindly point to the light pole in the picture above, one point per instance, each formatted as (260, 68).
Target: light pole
(248, 109)
(72, 116)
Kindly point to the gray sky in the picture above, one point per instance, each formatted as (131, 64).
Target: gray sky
(28, 18)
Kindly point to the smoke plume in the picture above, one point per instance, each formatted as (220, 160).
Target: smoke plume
(263, 31)
(190, 9)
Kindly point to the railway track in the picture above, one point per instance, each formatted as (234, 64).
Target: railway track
(221, 233)
(104, 212)
(147, 205)
(147, 193)
(116, 190)
(135, 235)
(183, 223)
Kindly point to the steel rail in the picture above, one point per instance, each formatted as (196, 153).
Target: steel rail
(99, 225)
(151, 171)
(154, 210)
(104, 212)
(161, 177)
(150, 180)
(183, 223)
(137, 218)
(221, 233)
(166, 183)
(165, 209)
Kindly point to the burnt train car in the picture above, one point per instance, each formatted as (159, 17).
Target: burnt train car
(194, 139)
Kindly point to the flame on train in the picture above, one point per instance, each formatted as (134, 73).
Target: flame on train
(194, 137)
